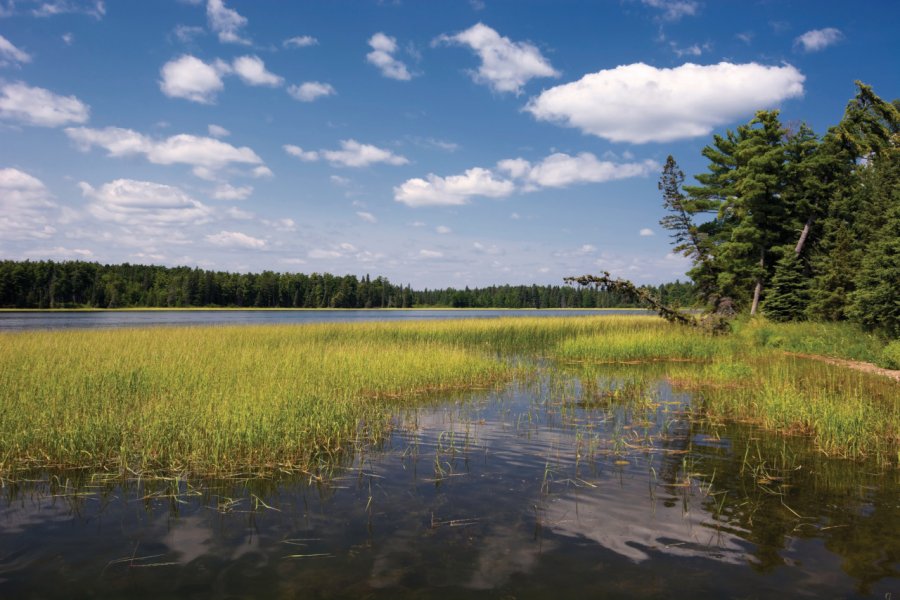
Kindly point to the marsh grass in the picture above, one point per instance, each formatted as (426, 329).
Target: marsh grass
(297, 398)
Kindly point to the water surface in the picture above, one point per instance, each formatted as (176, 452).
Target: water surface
(577, 483)
(13, 321)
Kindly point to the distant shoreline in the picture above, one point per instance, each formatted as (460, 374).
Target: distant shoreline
(281, 309)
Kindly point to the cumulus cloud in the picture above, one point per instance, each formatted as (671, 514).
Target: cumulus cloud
(304, 155)
(218, 131)
(206, 154)
(24, 205)
(310, 91)
(382, 56)
(37, 106)
(366, 216)
(252, 71)
(673, 10)
(235, 239)
(430, 254)
(555, 171)
(646, 232)
(454, 190)
(262, 171)
(354, 154)
(190, 78)
(506, 66)
(9, 54)
(300, 41)
(561, 170)
(638, 103)
(143, 204)
(819, 39)
(226, 191)
(443, 229)
(226, 22)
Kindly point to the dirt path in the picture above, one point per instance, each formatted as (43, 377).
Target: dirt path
(851, 364)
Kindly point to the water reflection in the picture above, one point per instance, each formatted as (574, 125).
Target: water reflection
(584, 482)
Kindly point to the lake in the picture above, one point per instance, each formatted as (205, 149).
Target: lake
(15, 321)
(575, 482)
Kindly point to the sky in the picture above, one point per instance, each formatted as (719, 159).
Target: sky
(438, 144)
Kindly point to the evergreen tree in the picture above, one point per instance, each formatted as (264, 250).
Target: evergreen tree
(788, 291)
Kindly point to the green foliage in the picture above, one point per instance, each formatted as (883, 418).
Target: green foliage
(834, 339)
(807, 226)
(75, 284)
(890, 356)
(876, 300)
(788, 292)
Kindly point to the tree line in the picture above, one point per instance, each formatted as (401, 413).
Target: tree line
(80, 284)
(795, 225)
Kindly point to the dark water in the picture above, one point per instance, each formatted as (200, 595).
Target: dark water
(12, 321)
(574, 485)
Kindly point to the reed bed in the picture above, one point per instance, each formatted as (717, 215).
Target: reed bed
(249, 399)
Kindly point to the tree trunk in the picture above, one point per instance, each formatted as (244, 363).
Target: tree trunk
(758, 289)
(803, 236)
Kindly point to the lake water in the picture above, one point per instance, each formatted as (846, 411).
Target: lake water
(16, 321)
(578, 483)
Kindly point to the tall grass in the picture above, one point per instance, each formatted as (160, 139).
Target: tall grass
(219, 400)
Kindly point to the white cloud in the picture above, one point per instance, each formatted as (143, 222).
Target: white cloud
(93, 8)
(338, 180)
(311, 90)
(190, 78)
(301, 41)
(226, 191)
(206, 154)
(638, 103)
(354, 154)
(37, 106)
(819, 39)
(506, 66)
(218, 131)
(320, 253)
(673, 10)
(454, 190)
(382, 56)
(234, 212)
(692, 50)
(366, 216)
(235, 239)
(252, 70)
(24, 203)
(556, 170)
(262, 171)
(143, 204)
(9, 54)
(443, 229)
(187, 33)
(280, 224)
(68, 38)
(60, 252)
(226, 22)
(304, 155)
(646, 232)
(560, 170)
(430, 254)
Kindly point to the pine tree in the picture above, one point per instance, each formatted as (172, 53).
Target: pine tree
(788, 291)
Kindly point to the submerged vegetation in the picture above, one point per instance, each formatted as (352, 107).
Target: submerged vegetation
(223, 400)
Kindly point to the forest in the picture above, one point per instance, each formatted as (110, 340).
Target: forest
(78, 284)
(793, 225)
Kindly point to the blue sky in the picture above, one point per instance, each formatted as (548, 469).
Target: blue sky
(436, 143)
